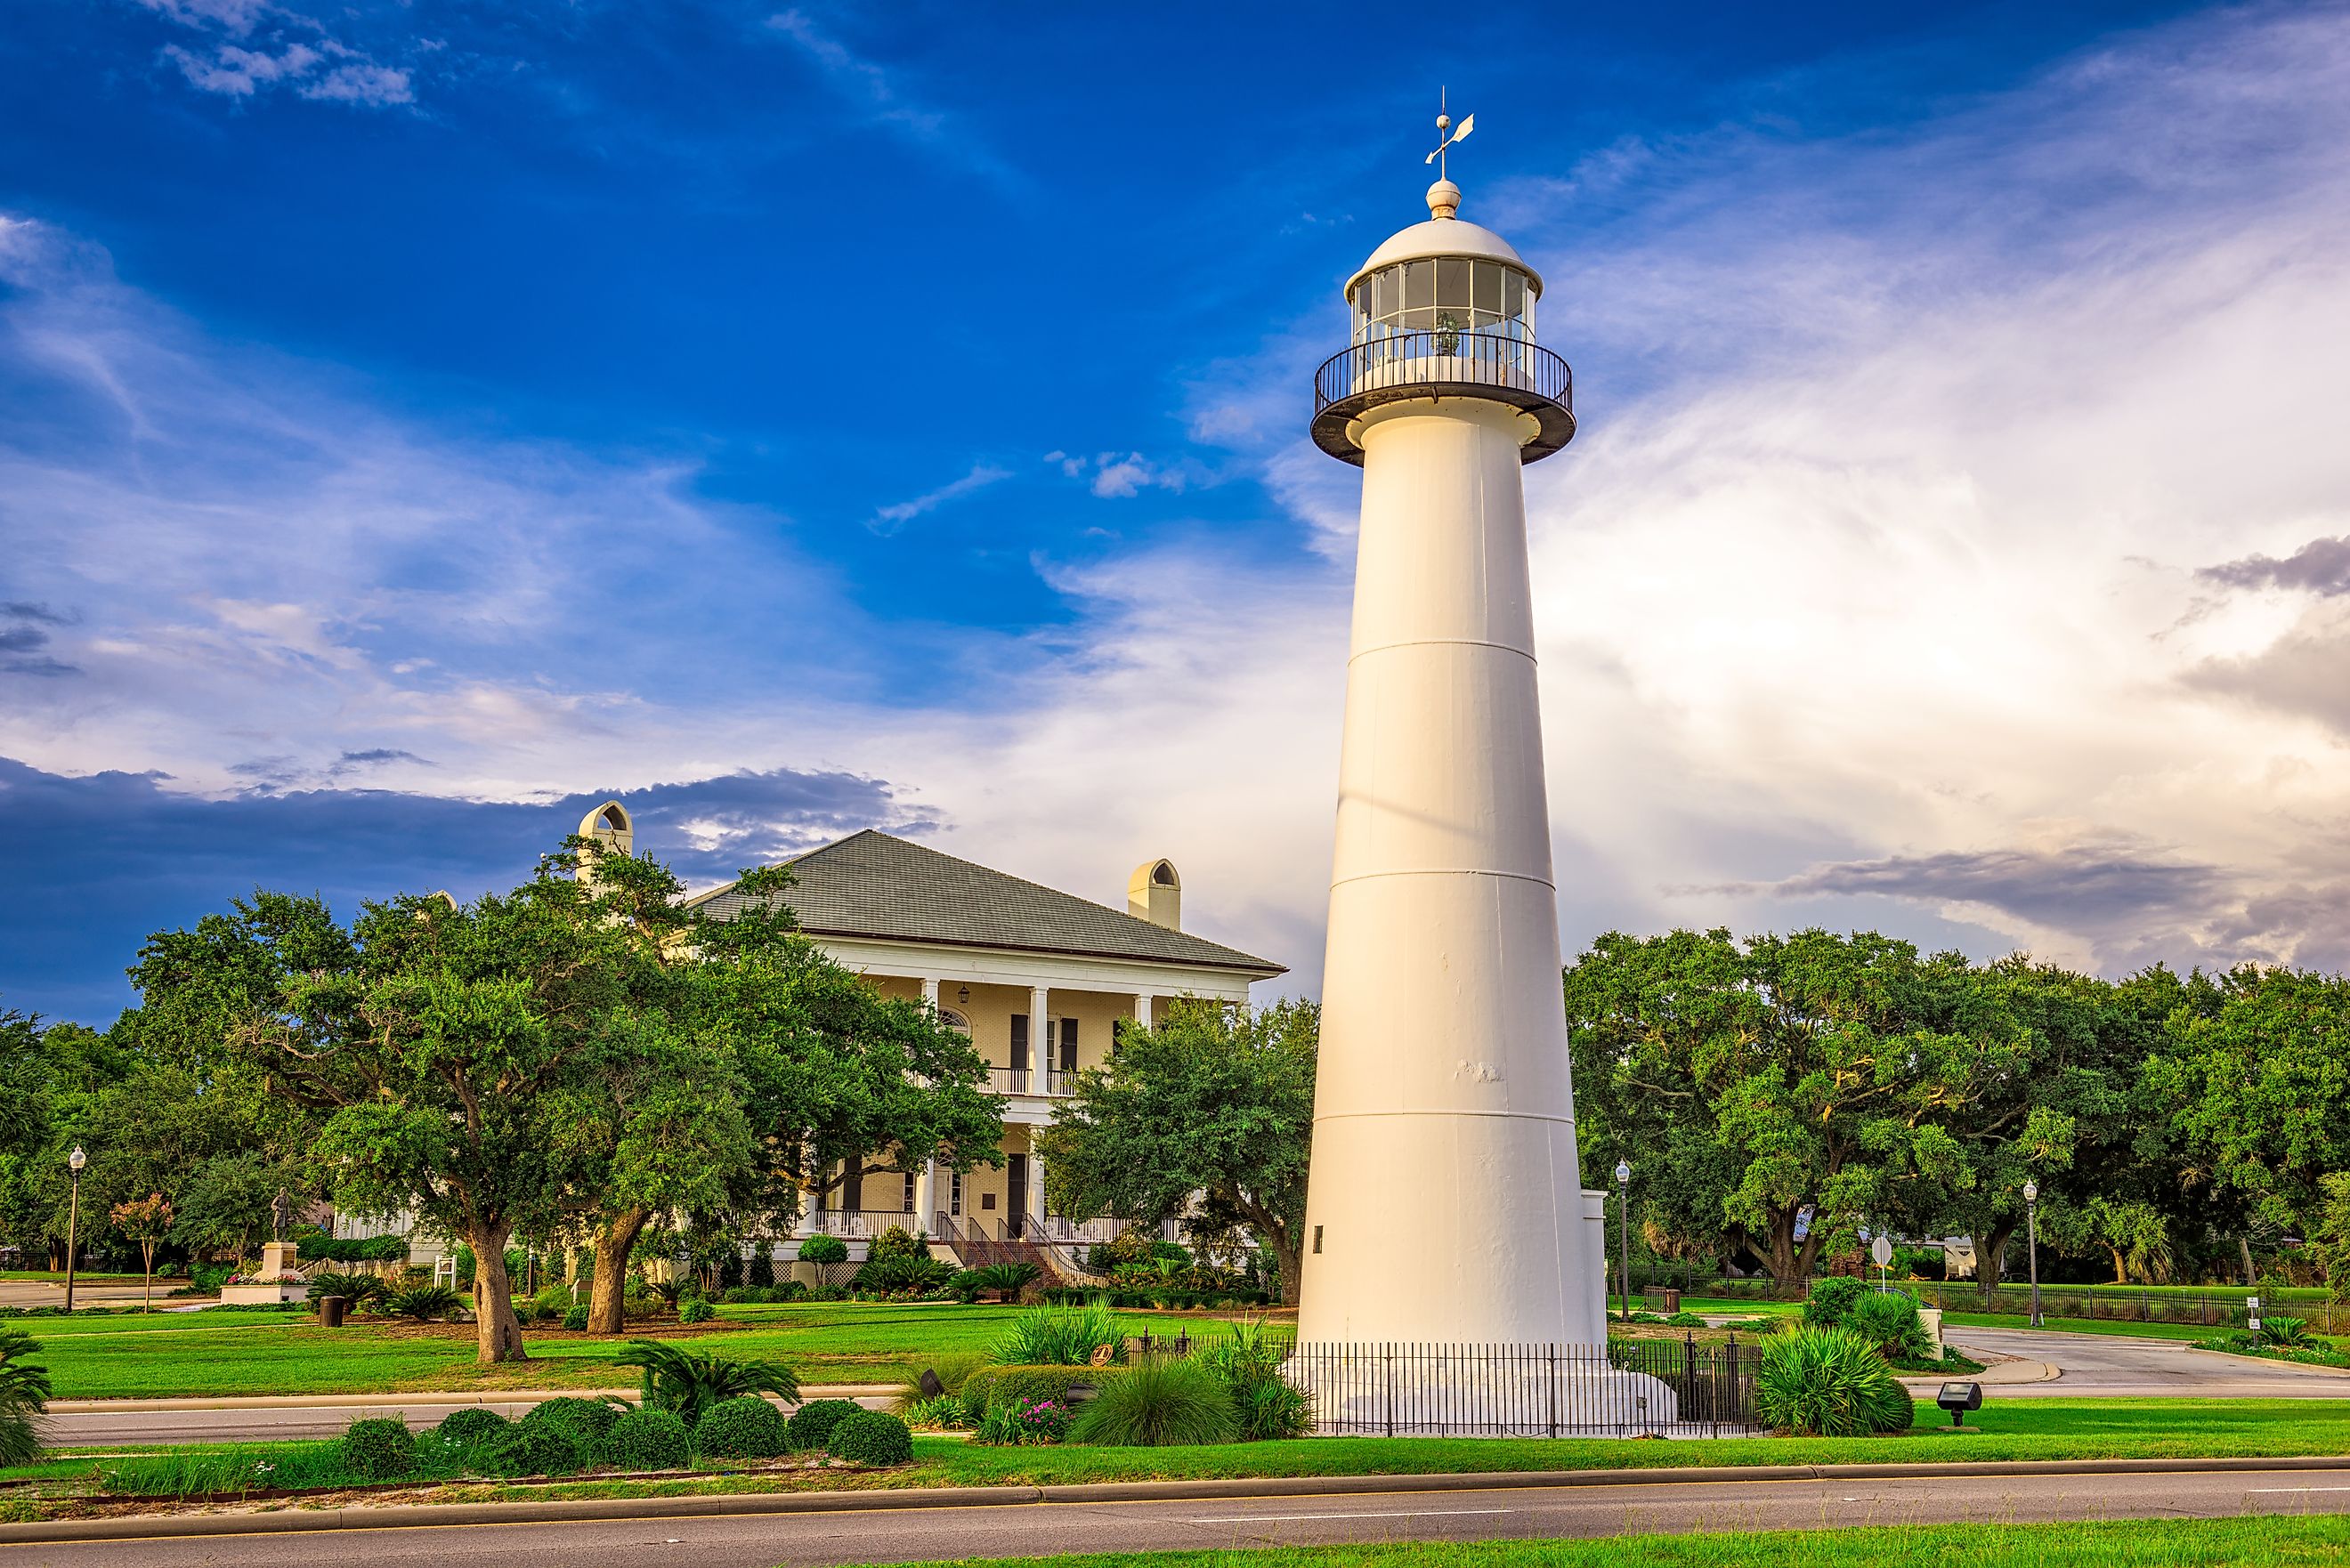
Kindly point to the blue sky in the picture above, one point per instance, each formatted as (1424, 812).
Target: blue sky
(419, 419)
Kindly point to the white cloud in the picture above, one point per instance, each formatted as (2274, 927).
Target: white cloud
(289, 47)
(891, 518)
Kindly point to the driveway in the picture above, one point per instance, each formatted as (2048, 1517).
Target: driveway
(2096, 1365)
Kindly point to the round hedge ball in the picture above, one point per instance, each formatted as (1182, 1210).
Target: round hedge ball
(743, 1428)
(587, 1420)
(379, 1450)
(470, 1425)
(536, 1448)
(811, 1423)
(649, 1440)
(872, 1437)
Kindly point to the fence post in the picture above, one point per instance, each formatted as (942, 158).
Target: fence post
(1551, 1353)
(1387, 1402)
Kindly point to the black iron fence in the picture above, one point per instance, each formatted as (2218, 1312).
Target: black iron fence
(1626, 1389)
(1461, 358)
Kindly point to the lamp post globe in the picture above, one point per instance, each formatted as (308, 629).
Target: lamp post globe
(73, 1162)
(2032, 1242)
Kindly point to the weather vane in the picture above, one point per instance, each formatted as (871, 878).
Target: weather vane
(1446, 135)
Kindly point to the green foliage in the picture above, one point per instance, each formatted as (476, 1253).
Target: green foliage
(474, 1423)
(1217, 1101)
(1006, 1280)
(312, 1245)
(423, 1303)
(530, 1447)
(379, 1450)
(811, 1424)
(649, 1440)
(1159, 1402)
(992, 1385)
(589, 1422)
(2286, 1331)
(940, 1412)
(871, 1438)
(696, 1309)
(24, 1396)
(904, 1274)
(760, 1273)
(686, 1383)
(1827, 1383)
(1891, 1323)
(1833, 1299)
(357, 1290)
(1061, 1336)
(823, 1249)
(575, 1318)
(1248, 1358)
(743, 1428)
(1024, 1423)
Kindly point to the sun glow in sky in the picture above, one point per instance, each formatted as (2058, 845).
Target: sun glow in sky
(418, 420)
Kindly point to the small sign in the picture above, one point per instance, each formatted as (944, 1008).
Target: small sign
(1882, 1250)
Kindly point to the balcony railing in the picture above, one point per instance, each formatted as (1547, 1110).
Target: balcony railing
(1405, 366)
(1027, 1080)
(854, 1224)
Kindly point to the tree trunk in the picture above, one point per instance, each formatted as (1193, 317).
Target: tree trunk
(607, 1299)
(2244, 1247)
(498, 1332)
(1991, 1252)
(2121, 1269)
(1787, 1264)
(1289, 1257)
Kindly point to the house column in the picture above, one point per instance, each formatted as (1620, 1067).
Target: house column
(925, 1186)
(1034, 1197)
(1142, 1000)
(1040, 998)
(931, 991)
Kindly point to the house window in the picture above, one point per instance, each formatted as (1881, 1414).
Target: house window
(909, 1192)
(954, 1193)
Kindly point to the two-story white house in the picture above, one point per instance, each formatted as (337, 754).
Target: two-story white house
(1037, 977)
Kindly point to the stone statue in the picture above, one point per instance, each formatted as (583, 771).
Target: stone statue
(281, 1215)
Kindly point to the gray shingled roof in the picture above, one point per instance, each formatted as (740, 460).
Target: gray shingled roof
(873, 885)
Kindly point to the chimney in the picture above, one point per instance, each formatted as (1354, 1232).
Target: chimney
(1155, 893)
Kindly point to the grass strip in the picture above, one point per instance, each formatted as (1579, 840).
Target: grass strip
(2272, 1541)
(2024, 1430)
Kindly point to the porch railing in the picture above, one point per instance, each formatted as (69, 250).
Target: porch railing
(854, 1224)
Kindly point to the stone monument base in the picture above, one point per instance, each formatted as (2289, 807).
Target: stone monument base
(279, 1279)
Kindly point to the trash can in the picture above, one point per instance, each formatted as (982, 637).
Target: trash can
(330, 1311)
(1666, 1301)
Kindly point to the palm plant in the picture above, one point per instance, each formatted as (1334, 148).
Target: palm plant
(24, 1395)
(423, 1302)
(686, 1383)
(2286, 1331)
(1006, 1280)
(356, 1289)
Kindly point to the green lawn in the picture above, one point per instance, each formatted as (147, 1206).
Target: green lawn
(2268, 1542)
(225, 1353)
(2022, 1429)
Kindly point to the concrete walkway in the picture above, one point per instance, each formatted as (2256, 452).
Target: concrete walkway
(2102, 1365)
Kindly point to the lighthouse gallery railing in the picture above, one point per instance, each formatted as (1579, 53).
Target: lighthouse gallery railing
(1442, 362)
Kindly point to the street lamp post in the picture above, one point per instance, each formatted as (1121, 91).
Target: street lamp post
(1623, 1230)
(73, 1162)
(2031, 1237)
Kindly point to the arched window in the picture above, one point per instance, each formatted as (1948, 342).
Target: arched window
(955, 1020)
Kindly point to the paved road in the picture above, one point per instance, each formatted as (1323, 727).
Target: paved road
(40, 1293)
(2099, 1364)
(888, 1535)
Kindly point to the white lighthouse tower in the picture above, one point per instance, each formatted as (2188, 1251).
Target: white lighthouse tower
(1445, 1205)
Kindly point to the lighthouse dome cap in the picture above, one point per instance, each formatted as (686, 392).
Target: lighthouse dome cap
(1443, 236)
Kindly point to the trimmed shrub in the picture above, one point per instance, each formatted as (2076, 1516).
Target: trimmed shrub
(696, 1311)
(470, 1425)
(1159, 1402)
(649, 1440)
(992, 1385)
(1061, 1336)
(743, 1428)
(1816, 1382)
(759, 1275)
(536, 1448)
(380, 1449)
(730, 1274)
(576, 1318)
(822, 1249)
(1833, 1299)
(589, 1421)
(811, 1425)
(871, 1438)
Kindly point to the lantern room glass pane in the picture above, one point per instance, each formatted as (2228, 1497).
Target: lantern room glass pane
(1453, 282)
(1387, 298)
(1514, 292)
(1419, 285)
(1488, 289)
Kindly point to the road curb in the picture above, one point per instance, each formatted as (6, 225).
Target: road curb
(416, 1515)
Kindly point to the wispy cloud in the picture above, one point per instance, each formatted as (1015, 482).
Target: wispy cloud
(884, 96)
(249, 46)
(897, 514)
